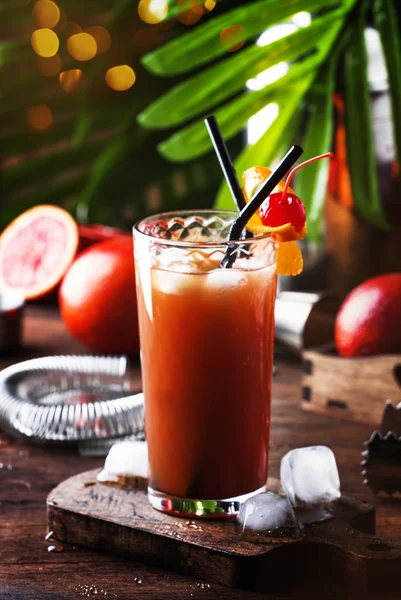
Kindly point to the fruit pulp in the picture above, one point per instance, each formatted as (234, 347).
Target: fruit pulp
(207, 352)
(36, 250)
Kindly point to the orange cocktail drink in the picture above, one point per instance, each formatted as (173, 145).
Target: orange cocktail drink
(206, 350)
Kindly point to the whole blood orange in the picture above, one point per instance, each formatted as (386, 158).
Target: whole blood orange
(91, 234)
(36, 250)
(369, 319)
(98, 299)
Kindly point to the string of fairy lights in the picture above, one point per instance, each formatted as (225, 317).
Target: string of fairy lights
(55, 34)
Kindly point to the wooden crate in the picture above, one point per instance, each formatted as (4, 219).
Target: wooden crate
(355, 389)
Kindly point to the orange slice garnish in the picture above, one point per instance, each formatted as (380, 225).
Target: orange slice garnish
(252, 178)
(289, 259)
(283, 233)
(289, 256)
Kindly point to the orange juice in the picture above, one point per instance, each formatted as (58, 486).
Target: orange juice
(207, 350)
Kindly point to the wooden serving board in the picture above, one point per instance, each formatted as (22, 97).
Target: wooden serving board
(355, 389)
(344, 549)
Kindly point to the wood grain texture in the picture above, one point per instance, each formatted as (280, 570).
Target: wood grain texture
(121, 521)
(355, 389)
(29, 572)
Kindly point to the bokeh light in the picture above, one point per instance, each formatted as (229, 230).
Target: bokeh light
(209, 5)
(152, 11)
(193, 13)
(72, 28)
(45, 42)
(82, 46)
(39, 117)
(49, 67)
(46, 13)
(62, 23)
(101, 36)
(71, 80)
(120, 78)
(232, 38)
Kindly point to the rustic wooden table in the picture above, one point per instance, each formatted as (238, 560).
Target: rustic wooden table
(28, 571)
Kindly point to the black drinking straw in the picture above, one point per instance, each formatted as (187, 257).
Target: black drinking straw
(246, 213)
(225, 162)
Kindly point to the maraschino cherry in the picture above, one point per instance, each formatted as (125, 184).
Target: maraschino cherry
(281, 208)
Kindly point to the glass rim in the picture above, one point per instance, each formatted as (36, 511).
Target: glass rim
(188, 244)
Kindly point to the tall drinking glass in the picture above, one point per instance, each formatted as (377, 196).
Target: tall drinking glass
(207, 352)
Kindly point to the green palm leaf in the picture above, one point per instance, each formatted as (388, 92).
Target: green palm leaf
(359, 137)
(39, 167)
(56, 191)
(193, 141)
(386, 22)
(210, 87)
(15, 51)
(282, 132)
(263, 152)
(175, 8)
(105, 162)
(95, 176)
(201, 45)
(312, 181)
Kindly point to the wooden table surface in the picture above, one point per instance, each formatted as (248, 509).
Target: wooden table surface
(28, 571)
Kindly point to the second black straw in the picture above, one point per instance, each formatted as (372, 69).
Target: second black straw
(225, 161)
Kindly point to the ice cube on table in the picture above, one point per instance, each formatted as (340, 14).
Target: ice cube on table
(126, 462)
(268, 517)
(309, 476)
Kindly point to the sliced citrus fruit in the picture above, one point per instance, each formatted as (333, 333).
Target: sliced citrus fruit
(278, 206)
(289, 256)
(36, 250)
(252, 178)
(289, 259)
(283, 233)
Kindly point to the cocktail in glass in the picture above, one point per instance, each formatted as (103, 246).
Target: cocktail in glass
(206, 351)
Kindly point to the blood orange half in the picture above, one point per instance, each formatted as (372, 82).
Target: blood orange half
(36, 250)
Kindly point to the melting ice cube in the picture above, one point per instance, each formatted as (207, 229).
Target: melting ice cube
(125, 463)
(268, 517)
(309, 476)
(226, 279)
(175, 283)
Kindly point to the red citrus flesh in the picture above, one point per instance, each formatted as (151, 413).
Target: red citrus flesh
(36, 250)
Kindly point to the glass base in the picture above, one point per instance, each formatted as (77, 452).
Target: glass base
(198, 509)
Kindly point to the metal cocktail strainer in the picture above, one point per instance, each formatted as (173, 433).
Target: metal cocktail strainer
(70, 399)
